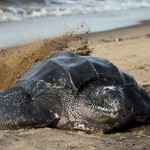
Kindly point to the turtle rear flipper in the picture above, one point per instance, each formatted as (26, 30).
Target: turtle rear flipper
(18, 110)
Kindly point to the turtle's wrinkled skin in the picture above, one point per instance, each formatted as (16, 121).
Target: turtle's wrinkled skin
(74, 92)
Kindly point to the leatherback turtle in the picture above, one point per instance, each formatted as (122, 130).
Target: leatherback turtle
(74, 92)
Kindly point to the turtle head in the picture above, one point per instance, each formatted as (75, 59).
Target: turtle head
(109, 107)
(103, 110)
(108, 101)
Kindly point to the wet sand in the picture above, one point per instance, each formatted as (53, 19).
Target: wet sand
(128, 48)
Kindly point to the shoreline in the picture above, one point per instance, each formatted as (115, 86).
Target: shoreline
(103, 36)
(24, 31)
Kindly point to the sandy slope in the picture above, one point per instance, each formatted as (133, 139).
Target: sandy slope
(128, 48)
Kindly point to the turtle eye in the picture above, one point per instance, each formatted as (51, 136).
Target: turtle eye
(115, 102)
(102, 102)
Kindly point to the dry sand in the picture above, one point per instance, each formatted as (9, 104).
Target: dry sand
(128, 48)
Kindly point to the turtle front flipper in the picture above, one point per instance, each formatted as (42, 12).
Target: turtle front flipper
(19, 110)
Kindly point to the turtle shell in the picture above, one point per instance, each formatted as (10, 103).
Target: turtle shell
(69, 70)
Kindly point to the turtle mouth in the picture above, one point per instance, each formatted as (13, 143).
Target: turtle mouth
(110, 112)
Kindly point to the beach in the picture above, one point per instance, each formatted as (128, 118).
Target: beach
(128, 48)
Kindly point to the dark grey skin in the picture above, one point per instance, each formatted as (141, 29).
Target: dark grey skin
(74, 92)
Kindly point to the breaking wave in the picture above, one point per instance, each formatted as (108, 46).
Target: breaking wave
(21, 9)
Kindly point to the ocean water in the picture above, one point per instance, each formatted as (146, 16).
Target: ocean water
(22, 9)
